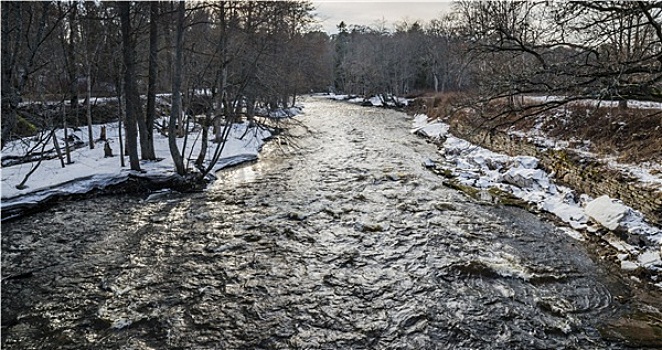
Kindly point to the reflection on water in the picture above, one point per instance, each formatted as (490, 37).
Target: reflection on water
(237, 175)
(346, 243)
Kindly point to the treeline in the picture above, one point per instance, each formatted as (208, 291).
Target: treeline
(506, 49)
(227, 59)
(220, 59)
(411, 58)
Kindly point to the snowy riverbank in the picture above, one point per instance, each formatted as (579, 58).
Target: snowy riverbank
(481, 169)
(91, 170)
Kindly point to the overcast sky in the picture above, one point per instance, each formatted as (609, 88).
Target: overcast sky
(370, 12)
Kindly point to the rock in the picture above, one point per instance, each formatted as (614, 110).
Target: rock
(294, 215)
(525, 162)
(493, 164)
(650, 258)
(526, 178)
(606, 212)
(629, 265)
(429, 163)
(368, 227)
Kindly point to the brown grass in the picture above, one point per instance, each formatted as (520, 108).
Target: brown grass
(632, 135)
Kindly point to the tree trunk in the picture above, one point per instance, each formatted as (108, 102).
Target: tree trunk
(150, 116)
(176, 93)
(71, 59)
(143, 128)
(89, 106)
(57, 149)
(199, 162)
(623, 104)
(130, 86)
(119, 124)
(67, 151)
(9, 98)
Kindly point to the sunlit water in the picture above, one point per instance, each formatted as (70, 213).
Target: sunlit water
(338, 240)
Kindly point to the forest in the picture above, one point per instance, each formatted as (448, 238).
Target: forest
(224, 61)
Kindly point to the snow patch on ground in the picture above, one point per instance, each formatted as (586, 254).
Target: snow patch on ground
(474, 166)
(645, 173)
(606, 212)
(91, 170)
(595, 103)
(281, 113)
(431, 130)
(375, 101)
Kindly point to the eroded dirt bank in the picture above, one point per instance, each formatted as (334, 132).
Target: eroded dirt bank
(628, 136)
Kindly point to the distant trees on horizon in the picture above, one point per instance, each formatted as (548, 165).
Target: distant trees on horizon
(223, 59)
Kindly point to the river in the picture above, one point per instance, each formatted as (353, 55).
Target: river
(338, 238)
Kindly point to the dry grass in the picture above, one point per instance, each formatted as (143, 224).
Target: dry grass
(631, 135)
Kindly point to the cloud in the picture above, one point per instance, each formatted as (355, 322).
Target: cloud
(372, 12)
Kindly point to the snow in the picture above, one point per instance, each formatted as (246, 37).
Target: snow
(629, 265)
(375, 101)
(472, 165)
(594, 102)
(572, 233)
(645, 173)
(606, 212)
(91, 170)
(430, 130)
(642, 172)
(649, 258)
(281, 113)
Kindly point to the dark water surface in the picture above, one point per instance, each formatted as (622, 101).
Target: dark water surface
(346, 242)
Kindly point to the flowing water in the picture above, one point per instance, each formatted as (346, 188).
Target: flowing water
(339, 239)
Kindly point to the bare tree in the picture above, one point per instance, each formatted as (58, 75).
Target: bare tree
(147, 134)
(132, 97)
(26, 27)
(578, 50)
(176, 111)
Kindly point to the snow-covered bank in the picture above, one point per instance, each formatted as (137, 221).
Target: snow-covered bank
(92, 170)
(595, 102)
(375, 101)
(647, 173)
(638, 242)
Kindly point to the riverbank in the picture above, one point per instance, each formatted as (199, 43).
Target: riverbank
(594, 148)
(91, 172)
(594, 196)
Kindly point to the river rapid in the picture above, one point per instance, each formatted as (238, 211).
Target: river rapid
(338, 238)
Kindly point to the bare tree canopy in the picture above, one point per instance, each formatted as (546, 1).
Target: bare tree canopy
(224, 60)
(598, 50)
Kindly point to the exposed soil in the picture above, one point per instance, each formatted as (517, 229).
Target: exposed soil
(632, 135)
(574, 141)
